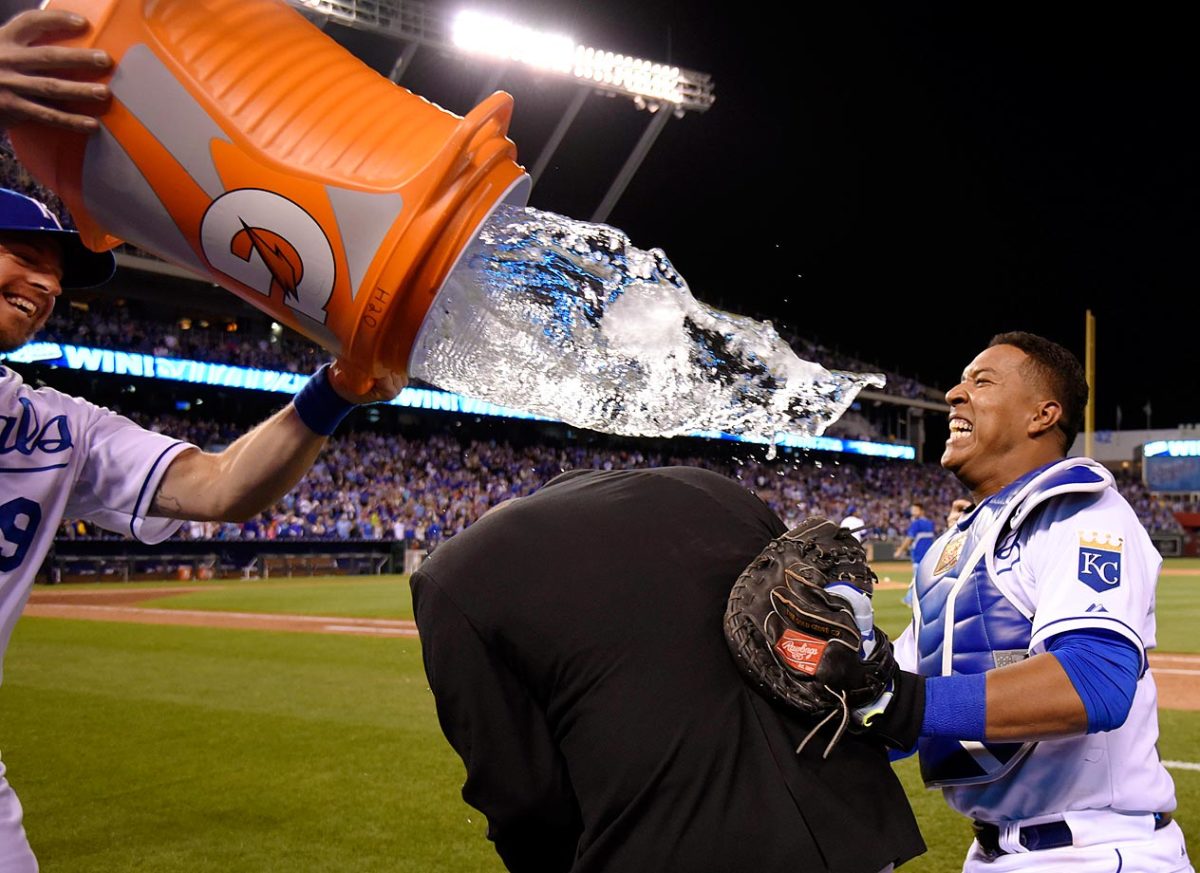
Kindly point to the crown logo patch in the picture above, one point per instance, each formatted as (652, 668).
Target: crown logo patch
(1100, 560)
(1103, 541)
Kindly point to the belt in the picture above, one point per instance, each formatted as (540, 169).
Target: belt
(1051, 835)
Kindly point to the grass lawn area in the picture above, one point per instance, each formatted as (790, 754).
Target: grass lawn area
(172, 749)
(350, 596)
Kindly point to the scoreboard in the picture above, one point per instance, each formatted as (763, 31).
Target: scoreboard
(1171, 465)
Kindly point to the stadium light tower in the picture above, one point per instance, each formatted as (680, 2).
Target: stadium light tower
(662, 89)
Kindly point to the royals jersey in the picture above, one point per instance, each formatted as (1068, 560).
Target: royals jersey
(62, 456)
(1058, 550)
(921, 533)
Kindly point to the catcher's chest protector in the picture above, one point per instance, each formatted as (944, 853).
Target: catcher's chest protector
(966, 624)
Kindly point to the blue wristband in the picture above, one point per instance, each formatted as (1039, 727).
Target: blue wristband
(956, 707)
(319, 406)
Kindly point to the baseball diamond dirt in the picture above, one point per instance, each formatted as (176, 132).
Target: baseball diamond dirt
(110, 605)
(1175, 674)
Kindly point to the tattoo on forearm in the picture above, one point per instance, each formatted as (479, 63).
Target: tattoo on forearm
(165, 504)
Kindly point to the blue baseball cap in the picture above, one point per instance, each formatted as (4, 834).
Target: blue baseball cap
(82, 267)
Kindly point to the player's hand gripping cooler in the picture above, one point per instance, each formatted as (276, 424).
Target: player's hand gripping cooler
(801, 627)
(244, 144)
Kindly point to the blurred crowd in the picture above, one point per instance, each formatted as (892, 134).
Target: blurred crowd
(375, 486)
(1156, 511)
(833, 359)
(14, 175)
(128, 327)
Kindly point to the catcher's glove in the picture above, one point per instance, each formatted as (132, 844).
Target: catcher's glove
(797, 638)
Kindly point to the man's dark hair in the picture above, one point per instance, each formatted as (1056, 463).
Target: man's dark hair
(1059, 371)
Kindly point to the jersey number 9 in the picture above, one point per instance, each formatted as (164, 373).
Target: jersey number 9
(19, 520)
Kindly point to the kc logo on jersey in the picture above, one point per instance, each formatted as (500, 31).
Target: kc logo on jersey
(1100, 560)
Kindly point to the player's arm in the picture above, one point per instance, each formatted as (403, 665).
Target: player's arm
(36, 80)
(1033, 699)
(1083, 683)
(264, 464)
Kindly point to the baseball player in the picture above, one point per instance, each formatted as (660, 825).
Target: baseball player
(854, 524)
(1032, 619)
(63, 456)
(957, 508)
(917, 540)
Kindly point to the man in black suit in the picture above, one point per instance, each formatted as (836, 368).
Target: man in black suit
(573, 642)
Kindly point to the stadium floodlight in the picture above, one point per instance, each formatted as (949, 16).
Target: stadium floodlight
(649, 84)
(496, 37)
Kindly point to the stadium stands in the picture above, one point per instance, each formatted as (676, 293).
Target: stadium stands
(384, 486)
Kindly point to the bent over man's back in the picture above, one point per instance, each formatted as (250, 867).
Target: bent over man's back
(573, 643)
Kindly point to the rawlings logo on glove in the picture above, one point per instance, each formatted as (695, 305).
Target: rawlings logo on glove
(801, 652)
(800, 626)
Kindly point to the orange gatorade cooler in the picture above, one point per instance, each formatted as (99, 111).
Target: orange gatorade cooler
(244, 144)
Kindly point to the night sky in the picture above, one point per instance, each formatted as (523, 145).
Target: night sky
(899, 180)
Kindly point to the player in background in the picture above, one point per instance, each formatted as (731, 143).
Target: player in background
(1035, 710)
(957, 508)
(854, 524)
(917, 540)
(64, 456)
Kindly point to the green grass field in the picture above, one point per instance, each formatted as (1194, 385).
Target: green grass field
(165, 749)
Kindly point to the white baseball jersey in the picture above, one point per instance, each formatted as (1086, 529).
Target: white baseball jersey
(60, 455)
(1056, 551)
(63, 456)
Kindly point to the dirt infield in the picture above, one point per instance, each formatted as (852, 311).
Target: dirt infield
(109, 605)
(1176, 675)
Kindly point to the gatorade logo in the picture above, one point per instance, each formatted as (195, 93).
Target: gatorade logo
(268, 243)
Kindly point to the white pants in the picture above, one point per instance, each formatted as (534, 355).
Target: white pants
(15, 854)
(1164, 852)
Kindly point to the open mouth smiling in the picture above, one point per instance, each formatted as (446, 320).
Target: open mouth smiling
(22, 304)
(960, 429)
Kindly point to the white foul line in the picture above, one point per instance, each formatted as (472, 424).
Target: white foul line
(360, 629)
(1181, 765)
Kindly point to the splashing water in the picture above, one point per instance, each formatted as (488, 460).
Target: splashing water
(567, 319)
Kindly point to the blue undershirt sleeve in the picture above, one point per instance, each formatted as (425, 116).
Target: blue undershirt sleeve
(955, 706)
(1103, 666)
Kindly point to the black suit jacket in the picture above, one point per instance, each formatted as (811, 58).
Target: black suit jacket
(573, 643)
